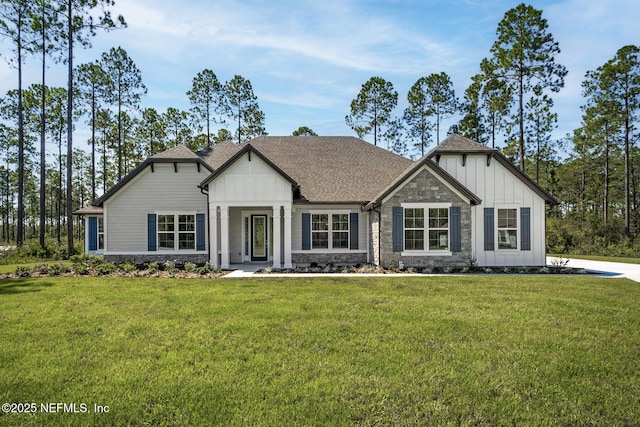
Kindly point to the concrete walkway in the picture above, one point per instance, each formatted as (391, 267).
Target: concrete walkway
(609, 269)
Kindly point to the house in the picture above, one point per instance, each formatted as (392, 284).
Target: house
(291, 201)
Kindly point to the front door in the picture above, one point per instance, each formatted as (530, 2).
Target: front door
(259, 238)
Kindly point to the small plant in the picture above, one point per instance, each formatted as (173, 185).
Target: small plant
(472, 263)
(545, 270)
(465, 269)
(170, 267)
(81, 269)
(447, 270)
(488, 270)
(22, 271)
(427, 270)
(58, 269)
(105, 268)
(153, 267)
(524, 270)
(42, 269)
(189, 267)
(267, 270)
(128, 267)
(204, 269)
(410, 270)
(506, 270)
(559, 262)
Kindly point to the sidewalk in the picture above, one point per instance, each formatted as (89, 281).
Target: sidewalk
(609, 269)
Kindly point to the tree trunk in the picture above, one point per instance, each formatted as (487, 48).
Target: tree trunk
(42, 140)
(70, 132)
(521, 119)
(20, 225)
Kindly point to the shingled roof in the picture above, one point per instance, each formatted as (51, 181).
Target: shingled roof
(327, 169)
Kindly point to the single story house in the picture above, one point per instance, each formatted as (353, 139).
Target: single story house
(288, 201)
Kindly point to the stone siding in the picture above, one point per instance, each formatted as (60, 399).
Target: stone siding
(342, 258)
(160, 259)
(424, 188)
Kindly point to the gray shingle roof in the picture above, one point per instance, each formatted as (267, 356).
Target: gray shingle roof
(327, 169)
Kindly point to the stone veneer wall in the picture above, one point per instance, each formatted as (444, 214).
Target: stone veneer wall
(424, 188)
(341, 258)
(143, 258)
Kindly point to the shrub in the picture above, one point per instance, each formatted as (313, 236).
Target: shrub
(128, 267)
(81, 269)
(22, 271)
(59, 268)
(189, 267)
(170, 267)
(105, 268)
(153, 267)
(42, 269)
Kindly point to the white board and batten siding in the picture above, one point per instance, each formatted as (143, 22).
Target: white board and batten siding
(498, 188)
(250, 183)
(163, 190)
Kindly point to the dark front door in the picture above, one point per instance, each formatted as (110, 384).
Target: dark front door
(259, 238)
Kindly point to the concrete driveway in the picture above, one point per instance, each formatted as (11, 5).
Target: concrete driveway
(612, 269)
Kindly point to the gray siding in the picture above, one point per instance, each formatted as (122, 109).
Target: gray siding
(162, 190)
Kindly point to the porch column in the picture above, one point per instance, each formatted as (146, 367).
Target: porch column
(213, 235)
(275, 239)
(287, 237)
(224, 236)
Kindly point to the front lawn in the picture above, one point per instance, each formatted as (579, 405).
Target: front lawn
(513, 350)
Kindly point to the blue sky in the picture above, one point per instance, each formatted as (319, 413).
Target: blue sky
(307, 59)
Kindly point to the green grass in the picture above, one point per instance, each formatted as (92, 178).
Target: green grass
(627, 260)
(323, 351)
(11, 268)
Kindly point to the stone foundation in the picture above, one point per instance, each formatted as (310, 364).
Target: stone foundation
(160, 259)
(305, 259)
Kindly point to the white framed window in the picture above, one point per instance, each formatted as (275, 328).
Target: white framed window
(176, 232)
(414, 229)
(508, 228)
(426, 227)
(330, 230)
(100, 233)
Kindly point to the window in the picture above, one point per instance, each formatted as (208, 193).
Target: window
(507, 228)
(414, 229)
(186, 231)
(320, 231)
(439, 229)
(176, 232)
(330, 230)
(166, 232)
(340, 231)
(435, 228)
(100, 233)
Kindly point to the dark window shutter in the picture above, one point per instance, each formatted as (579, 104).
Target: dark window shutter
(353, 230)
(306, 231)
(93, 233)
(398, 229)
(489, 232)
(200, 233)
(455, 229)
(151, 232)
(525, 229)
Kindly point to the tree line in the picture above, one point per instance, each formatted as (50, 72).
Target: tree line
(508, 105)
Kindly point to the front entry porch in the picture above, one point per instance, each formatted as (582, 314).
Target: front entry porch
(250, 234)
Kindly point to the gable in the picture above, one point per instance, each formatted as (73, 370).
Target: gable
(424, 185)
(249, 179)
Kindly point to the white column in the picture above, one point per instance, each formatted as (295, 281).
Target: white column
(275, 239)
(213, 235)
(224, 236)
(287, 237)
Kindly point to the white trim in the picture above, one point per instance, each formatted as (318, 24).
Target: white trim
(183, 252)
(330, 231)
(327, 251)
(427, 252)
(401, 185)
(518, 228)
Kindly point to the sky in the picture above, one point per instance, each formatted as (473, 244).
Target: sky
(307, 59)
